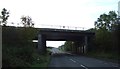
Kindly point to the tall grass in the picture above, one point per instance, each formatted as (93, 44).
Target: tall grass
(18, 49)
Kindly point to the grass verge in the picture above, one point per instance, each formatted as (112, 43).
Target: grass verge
(112, 57)
(41, 60)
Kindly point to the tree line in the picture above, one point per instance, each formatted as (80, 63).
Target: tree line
(106, 40)
(26, 21)
(18, 50)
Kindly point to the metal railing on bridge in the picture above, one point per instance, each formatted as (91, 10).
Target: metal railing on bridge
(62, 27)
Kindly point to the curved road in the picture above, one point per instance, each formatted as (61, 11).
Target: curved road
(61, 59)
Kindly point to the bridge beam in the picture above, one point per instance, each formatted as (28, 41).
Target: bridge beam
(41, 44)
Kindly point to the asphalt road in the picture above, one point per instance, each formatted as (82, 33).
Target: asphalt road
(61, 59)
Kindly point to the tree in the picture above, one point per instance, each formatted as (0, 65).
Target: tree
(106, 21)
(68, 45)
(4, 17)
(106, 26)
(27, 21)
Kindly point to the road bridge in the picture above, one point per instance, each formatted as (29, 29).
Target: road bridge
(63, 35)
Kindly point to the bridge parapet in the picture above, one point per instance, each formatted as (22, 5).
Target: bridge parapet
(64, 30)
(62, 27)
(59, 30)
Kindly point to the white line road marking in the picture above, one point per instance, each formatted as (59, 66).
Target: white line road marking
(83, 66)
(73, 60)
(80, 64)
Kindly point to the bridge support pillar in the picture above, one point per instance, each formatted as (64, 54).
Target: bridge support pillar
(86, 44)
(41, 44)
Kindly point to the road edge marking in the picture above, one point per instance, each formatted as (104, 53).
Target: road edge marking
(73, 60)
(83, 66)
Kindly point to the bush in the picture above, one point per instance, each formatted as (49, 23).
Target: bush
(14, 56)
(17, 47)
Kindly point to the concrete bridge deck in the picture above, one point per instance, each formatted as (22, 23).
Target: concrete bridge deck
(64, 34)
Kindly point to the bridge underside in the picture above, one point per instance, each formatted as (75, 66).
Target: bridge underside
(62, 35)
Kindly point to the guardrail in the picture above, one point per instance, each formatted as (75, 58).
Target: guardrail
(62, 27)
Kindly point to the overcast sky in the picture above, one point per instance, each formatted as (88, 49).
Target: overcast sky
(80, 13)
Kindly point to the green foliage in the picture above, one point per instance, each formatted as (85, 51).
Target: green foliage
(103, 55)
(18, 48)
(25, 56)
(16, 57)
(106, 20)
(105, 26)
(68, 45)
(18, 35)
(106, 41)
(27, 21)
(103, 39)
(4, 16)
(41, 60)
(72, 46)
(61, 48)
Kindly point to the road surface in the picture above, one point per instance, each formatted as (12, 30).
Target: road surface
(61, 59)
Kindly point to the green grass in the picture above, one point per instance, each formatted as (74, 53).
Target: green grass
(114, 57)
(41, 60)
(14, 56)
(40, 65)
(23, 56)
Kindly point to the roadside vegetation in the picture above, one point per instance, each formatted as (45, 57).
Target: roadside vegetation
(105, 44)
(18, 50)
(41, 60)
